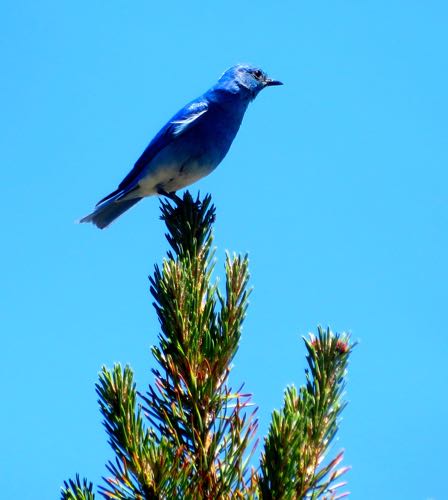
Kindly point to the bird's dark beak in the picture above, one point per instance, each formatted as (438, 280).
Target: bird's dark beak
(270, 83)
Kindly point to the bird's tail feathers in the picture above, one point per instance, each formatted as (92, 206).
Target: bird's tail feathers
(107, 211)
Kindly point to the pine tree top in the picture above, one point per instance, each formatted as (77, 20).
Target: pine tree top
(190, 435)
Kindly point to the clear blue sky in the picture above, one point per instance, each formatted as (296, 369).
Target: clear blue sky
(336, 186)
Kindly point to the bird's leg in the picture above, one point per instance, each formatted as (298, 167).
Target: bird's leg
(172, 195)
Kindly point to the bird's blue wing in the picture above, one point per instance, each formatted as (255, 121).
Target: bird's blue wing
(182, 121)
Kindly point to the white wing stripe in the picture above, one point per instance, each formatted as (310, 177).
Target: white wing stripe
(181, 125)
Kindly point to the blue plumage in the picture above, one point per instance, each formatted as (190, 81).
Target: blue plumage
(189, 146)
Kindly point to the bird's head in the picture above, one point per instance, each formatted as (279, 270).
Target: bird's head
(246, 80)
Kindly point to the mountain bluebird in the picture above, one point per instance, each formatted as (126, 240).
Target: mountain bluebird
(189, 146)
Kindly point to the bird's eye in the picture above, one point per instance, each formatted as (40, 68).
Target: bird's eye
(258, 74)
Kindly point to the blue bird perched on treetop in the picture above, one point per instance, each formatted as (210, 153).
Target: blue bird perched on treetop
(189, 146)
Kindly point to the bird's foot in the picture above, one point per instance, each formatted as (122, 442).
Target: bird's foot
(172, 195)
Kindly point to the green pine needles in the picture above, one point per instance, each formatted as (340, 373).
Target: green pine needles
(190, 436)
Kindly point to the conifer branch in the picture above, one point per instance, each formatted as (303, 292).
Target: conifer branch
(191, 405)
(132, 472)
(302, 431)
